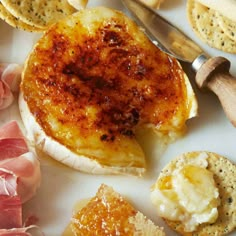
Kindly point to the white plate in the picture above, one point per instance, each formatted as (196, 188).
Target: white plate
(62, 187)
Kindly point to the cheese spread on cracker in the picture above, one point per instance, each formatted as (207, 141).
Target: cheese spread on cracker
(188, 195)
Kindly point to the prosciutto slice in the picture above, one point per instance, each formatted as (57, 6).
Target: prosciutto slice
(10, 75)
(12, 141)
(25, 169)
(20, 177)
(10, 209)
(24, 231)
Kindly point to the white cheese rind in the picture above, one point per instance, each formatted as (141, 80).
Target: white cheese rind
(61, 153)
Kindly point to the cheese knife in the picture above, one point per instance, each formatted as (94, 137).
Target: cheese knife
(212, 73)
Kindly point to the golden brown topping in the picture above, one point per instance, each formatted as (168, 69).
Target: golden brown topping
(95, 78)
(108, 214)
(104, 215)
(129, 84)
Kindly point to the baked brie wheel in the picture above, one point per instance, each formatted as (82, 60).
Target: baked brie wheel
(91, 82)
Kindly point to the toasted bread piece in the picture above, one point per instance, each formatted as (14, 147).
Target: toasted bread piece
(224, 174)
(91, 82)
(108, 213)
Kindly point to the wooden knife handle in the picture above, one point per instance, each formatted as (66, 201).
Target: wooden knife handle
(214, 75)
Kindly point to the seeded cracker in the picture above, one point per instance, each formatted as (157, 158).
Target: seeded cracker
(228, 26)
(205, 24)
(225, 178)
(14, 22)
(39, 14)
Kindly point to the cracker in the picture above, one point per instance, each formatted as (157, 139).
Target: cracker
(226, 7)
(15, 22)
(205, 24)
(39, 14)
(225, 177)
(228, 26)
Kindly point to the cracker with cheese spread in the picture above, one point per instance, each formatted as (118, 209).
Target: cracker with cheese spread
(196, 194)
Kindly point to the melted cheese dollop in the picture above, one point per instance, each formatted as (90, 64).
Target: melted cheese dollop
(189, 195)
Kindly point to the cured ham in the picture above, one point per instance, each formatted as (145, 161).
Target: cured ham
(12, 141)
(25, 170)
(19, 178)
(19, 167)
(24, 231)
(10, 212)
(10, 75)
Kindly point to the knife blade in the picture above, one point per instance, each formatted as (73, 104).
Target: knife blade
(212, 73)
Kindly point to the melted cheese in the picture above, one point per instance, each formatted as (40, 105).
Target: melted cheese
(189, 195)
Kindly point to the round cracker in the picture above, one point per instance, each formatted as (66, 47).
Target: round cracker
(14, 22)
(205, 24)
(39, 14)
(227, 25)
(225, 178)
(226, 7)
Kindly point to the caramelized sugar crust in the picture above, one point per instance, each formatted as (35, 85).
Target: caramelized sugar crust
(106, 214)
(93, 75)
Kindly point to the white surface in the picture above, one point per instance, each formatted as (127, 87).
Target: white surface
(62, 187)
